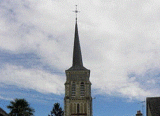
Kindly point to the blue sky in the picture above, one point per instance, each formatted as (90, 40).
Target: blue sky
(119, 41)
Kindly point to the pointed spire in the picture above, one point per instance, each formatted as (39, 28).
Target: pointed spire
(77, 56)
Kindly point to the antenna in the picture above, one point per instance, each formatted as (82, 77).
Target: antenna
(142, 102)
(76, 11)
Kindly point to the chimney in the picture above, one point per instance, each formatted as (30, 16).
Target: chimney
(139, 113)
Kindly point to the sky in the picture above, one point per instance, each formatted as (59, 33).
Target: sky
(119, 42)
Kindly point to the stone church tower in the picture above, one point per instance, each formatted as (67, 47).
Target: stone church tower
(77, 100)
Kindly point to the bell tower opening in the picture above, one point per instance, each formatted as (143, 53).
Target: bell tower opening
(73, 89)
(82, 90)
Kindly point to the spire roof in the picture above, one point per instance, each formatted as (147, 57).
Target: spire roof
(77, 63)
(77, 56)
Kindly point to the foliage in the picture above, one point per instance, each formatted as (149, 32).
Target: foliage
(20, 107)
(57, 110)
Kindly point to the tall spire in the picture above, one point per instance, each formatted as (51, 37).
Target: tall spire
(77, 56)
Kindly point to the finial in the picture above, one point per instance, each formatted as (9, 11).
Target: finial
(76, 11)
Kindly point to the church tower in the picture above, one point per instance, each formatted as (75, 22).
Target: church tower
(77, 100)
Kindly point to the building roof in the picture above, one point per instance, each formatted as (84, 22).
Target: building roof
(139, 113)
(3, 112)
(153, 103)
(77, 63)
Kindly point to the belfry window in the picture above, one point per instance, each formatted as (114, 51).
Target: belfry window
(73, 89)
(82, 90)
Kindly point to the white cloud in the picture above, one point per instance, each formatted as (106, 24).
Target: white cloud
(4, 98)
(118, 39)
(34, 79)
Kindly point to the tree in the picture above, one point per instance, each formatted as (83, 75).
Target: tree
(57, 110)
(20, 107)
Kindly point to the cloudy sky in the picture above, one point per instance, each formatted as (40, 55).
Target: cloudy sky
(119, 41)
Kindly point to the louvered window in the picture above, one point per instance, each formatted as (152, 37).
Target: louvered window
(82, 90)
(73, 89)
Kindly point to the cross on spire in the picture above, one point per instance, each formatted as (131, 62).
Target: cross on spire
(76, 11)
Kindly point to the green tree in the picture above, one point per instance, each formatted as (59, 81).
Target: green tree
(20, 107)
(57, 110)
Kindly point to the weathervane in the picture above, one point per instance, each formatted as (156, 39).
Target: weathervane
(76, 11)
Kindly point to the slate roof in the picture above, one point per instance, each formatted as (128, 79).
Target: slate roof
(77, 63)
(154, 104)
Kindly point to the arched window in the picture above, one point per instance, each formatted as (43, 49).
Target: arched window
(73, 89)
(77, 108)
(82, 89)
